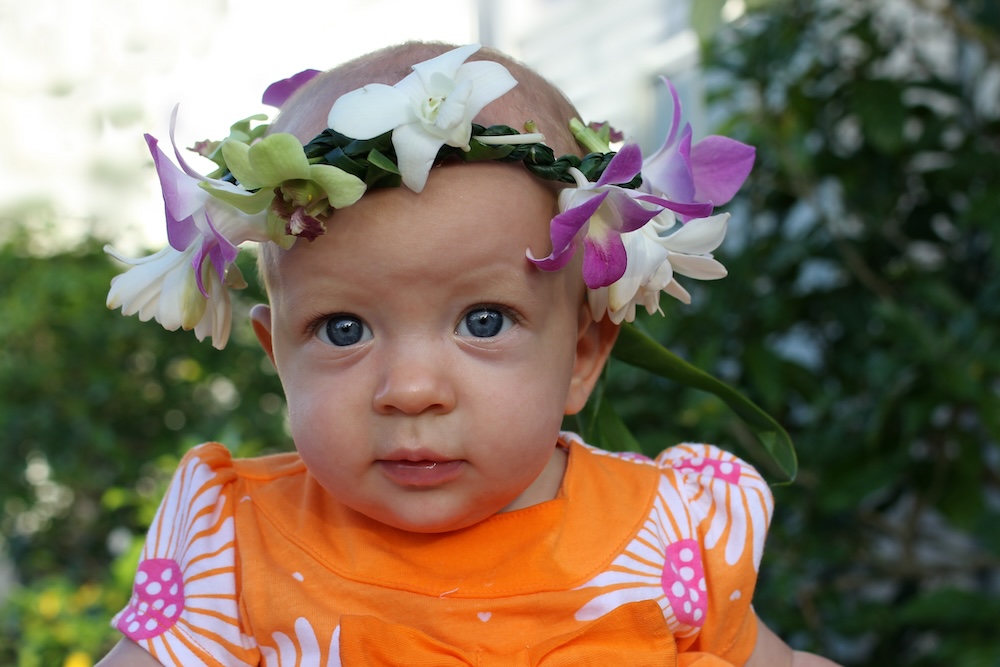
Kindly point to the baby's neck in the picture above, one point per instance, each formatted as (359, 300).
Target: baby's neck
(546, 486)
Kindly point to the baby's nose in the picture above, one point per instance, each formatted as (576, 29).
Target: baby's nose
(413, 383)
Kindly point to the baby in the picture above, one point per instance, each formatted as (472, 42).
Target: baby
(430, 339)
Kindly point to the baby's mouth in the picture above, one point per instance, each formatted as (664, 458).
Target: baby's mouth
(422, 472)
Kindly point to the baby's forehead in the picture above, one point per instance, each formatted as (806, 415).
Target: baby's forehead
(462, 204)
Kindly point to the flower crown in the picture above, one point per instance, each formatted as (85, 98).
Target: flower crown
(639, 221)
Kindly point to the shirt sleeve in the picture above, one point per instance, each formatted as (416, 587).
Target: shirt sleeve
(184, 607)
(730, 506)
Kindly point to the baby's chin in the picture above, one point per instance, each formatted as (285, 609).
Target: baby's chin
(427, 518)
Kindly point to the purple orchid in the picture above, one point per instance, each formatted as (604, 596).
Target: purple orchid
(183, 200)
(184, 285)
(601, 212)
(711, 171)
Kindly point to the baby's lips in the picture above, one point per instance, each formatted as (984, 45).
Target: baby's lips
(421, 472)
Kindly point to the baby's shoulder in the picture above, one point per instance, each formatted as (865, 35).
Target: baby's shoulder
(692, 479)
(217, 459)
(694, 464)
(703, 464)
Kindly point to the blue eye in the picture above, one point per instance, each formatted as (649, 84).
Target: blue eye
(483, 323)
(343, 330)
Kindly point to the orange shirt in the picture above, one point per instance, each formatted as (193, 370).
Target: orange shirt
(635, 562)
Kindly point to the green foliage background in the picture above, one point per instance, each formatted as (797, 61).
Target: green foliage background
(862, 310)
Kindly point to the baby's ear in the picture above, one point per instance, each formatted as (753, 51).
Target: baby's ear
(260, 318)
(593, 346)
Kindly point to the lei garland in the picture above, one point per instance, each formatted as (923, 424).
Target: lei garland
(374, 160)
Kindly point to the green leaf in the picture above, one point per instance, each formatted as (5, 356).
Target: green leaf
(587, 137)
(637, 349)
(378, 159)
(879, 105)
(610, 432)
(479, 151)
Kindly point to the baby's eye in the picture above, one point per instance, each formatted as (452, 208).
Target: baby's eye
(484, 323)
(343, 330)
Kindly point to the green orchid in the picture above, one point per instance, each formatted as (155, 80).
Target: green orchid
(247, 131)
(299, 195)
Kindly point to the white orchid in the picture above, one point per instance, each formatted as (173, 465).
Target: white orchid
(427, 109)
(185, 284)
(163, 287)
(654, 255)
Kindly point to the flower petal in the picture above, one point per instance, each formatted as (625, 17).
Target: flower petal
(182, 197)
(187, 169)
(686, 210)
(604, 260)
(447, 63)
(220, 252)
(158, 286)
(644, 257)
(597, 299)
(453, 123)
(675, 118)
(247, 202)
(342, 189)
(669, 170)
(216, 319)
(491, 80)
(415, 153)
(623, 166)
(719, 166)
(700, 236)
(236, 226)
(629, 213)
(180, 304)
(563, 229)
(370, 111)
(237, 157)
(276, 158)
(676, 290)
(699, 267)
(279, 91)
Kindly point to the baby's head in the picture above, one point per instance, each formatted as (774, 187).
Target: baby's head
(427, 363)
(428, 346)
(534, 98)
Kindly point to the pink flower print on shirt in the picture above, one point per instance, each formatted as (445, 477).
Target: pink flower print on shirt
(184, 604)
(157, 600)
(727, 471)
(645, 570)
(683, 582)
(729, 495)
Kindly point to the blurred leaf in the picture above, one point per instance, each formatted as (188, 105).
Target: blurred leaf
(638, 349)
(879, 106)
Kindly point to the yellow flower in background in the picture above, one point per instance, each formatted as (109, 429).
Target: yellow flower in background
(78, 659)
(49, 604)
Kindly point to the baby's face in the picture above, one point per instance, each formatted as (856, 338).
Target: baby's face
(427, 364)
